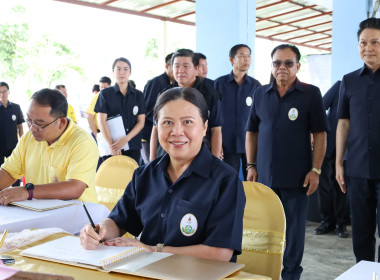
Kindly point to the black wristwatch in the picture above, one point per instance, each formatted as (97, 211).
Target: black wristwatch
(30, 187)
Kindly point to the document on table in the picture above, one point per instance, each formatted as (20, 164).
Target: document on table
(42, 204)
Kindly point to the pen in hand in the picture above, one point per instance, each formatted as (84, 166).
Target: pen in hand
(91, 221)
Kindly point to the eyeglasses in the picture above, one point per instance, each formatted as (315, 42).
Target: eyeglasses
(288, 63)
(40, 127)
(4, 91)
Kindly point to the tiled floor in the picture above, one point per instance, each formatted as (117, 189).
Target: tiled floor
(326, 256)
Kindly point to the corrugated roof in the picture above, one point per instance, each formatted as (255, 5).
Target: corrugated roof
(292, 21)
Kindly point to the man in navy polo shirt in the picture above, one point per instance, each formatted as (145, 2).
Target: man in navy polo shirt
(151, 91)
(185, 64)
(283, 116)
(11, 120)
(237, 90)
(359, 131)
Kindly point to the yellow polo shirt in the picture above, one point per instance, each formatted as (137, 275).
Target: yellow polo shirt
(71, 113)
(91, 107)
(73, 156)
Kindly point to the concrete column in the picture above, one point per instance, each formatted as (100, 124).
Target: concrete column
(220, 25)
(347, 15)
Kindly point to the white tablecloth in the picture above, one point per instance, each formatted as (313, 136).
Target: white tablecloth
(362, 270)
(70, 218)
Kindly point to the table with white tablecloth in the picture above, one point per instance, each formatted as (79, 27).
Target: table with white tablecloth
(71, 218)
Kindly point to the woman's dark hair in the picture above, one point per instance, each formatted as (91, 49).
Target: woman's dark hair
(191, 95)
(123, 59)
(52, 98)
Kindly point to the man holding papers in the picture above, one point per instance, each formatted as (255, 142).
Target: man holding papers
(57, 157)
(186, 202)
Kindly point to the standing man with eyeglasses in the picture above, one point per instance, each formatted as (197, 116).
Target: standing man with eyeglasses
(279, 154)
(57, 157)
(11, 120)
(237, 90)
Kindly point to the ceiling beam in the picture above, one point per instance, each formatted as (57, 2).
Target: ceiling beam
(184, 15)
(286, 13)
(125, 11)
(299, 28)
(294, 43)
(294, 21)
(315, 33)
(272, 4)
(160, 6)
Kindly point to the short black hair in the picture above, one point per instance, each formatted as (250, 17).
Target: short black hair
(191, 95)
(95, 88)
(105, 79)
(201, 55)
(58, 87)
(293, 48)
(236, 48)
(52, 98)
(168, 58)
(123, 59)
(373, 23)
(4, 84)
(186, 53)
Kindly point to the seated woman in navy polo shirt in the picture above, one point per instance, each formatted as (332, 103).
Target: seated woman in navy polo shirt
(186, 202)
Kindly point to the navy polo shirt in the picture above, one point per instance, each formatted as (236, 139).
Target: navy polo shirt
(330, 101)
(212, 98)
(209, 190)
(112, 102)
(359, 101)
(236, 102)
(151, 91)
(284, 124)
(10, 117)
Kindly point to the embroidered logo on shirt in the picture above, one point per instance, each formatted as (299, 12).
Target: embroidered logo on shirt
(135, 110)
(293, 114)
(13, 117)
(248, 101)
(189, 225)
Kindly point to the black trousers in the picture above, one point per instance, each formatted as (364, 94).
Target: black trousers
(295, 202)
(333, 202)
(364, 198)
(234, 161)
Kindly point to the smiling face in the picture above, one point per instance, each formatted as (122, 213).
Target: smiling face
(369, 48)
(181, 130)
(121, 72)
(285, 74)
(184, 71)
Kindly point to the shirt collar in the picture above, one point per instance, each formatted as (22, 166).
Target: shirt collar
(366, 71)
(200, 164)
(66, 135)
(231, 77)
(296, 85)
(9, 104)
(116, 89)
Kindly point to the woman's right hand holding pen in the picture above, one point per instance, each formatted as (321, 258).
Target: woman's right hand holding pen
(89, 239)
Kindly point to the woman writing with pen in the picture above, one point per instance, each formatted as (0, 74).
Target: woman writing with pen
(186, 202)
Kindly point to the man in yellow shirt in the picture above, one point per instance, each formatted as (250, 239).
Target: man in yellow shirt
(57, 157)
(104, 82)
(70, 110)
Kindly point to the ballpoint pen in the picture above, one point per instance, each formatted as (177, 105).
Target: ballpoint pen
(3, 238)
(91, 221)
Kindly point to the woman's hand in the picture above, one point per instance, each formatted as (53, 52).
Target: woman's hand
(123, 241)
(89, 239)
(120, 143)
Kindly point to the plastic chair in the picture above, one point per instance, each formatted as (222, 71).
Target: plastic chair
(112, 178)
(263, 231)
